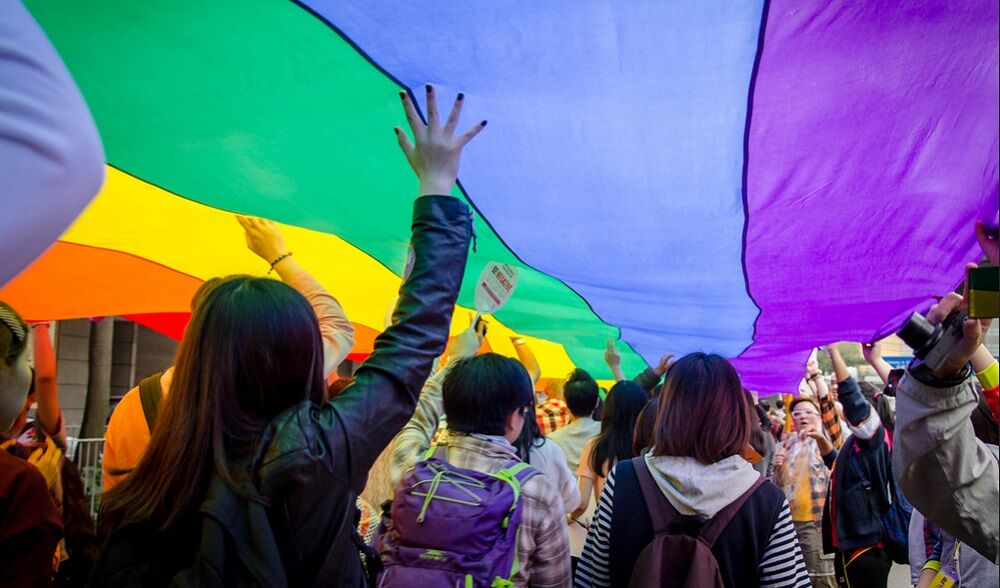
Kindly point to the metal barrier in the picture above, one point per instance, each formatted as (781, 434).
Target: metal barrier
(87, 454)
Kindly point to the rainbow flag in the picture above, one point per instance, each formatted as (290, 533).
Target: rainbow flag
(745, 177)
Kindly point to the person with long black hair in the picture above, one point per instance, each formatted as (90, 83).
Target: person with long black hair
(613, 444)
(250, 476)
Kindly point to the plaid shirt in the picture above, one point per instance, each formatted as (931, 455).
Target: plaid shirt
(552, 414)
(815, 478)
(828, 413)
(543, 540)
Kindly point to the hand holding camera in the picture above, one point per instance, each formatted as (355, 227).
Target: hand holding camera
(950, 335)
(947, 338)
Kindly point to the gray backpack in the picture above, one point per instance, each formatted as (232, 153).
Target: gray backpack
(674, 558)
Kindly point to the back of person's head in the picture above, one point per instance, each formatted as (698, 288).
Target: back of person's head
(531, 437)
(15, 376)
(251, 350)
(704, 413)
(621, 411)
(480, 392)
(642, 436)
(204, 290)
(581, 393)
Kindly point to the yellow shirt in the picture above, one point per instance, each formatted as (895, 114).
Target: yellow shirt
(128, 435)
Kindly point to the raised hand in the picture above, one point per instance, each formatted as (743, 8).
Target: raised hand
(665, 362)
(812, 369)
(780, 453)
(816, 433)
(973, 334)
(468, 342)
(436, 150)
(263, 238)
(614, 360)
(872, 352)
(990, 244)
(611, 356)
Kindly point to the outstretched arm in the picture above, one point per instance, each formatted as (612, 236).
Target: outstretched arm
(527, 358)
(360, 422)
(946, 472)
(873, 355)
(264, 239)
(839, 366)
(614, 360)
(650, 377)
(49, 414)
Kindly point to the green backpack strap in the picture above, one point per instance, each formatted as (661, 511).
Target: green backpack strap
(509, 475)
(151, 395)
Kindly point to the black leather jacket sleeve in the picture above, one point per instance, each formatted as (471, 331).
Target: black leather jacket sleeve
(368, 414)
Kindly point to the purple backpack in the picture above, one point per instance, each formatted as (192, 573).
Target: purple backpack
(450, 526)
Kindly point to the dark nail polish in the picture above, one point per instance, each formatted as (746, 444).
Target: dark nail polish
(482, 124)
(429, 88)
(461, 97)
(402, 95)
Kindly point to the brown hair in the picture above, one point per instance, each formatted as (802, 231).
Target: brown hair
(645, 426)
(251, 350)
(800, 400)
(704, 412)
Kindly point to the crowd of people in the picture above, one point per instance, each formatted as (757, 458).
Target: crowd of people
(246, 464)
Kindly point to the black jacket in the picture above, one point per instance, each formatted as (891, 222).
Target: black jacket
(848, 509)
(313, 461)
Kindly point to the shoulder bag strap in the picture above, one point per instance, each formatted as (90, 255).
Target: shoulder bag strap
(661, 511)
(717, 524)
(870, 492)
(151, 394)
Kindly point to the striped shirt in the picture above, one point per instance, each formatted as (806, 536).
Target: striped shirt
(782, 564)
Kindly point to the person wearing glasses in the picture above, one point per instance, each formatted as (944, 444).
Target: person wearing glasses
(802, 470)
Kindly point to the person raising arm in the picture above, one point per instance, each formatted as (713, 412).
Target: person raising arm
(949, 475)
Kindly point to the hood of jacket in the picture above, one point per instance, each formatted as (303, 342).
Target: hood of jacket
(698, 489)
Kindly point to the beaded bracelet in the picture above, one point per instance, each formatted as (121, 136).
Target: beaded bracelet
(280, 258)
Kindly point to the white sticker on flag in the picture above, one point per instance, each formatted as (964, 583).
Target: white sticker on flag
(495, 286)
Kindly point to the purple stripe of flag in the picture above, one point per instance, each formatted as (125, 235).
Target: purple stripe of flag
(873, 148)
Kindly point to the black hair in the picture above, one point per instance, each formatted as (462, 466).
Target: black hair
(621, 410)
(480, 392)
(581, 393)
(531, 437)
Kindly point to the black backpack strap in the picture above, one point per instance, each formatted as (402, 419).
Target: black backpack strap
(151, 395)
(869, 490)
(661, 511)
(717, 524)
